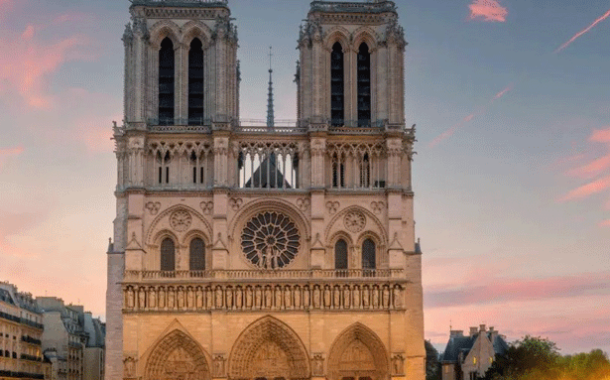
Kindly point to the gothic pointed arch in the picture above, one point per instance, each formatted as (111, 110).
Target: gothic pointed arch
(358, 353)
(196, 29)
(177, 356)
(268, 348)
(164, 29)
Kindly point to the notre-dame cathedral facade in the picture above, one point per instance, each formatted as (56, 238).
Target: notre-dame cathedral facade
(266, 252)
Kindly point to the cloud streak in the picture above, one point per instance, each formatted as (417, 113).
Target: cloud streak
(509, 290)
(488, 10)
(582, 32)
(451, 131)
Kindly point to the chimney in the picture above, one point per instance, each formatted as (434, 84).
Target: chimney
(473, 331)
(483, 328)
(493, 334)
(457, 333)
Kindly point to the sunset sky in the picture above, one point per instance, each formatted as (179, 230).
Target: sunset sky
(512, 176)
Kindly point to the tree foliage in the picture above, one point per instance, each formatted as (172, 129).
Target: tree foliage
(539, 359)
(433, 365)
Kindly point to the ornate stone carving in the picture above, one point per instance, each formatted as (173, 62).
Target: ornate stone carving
(207, 207)
(354, 221)
(270, 240)
(177, 357)
(220, 366)
(303, 203)
(377, 207)
(235, 203)
(398, 364)
(153, 207)
(317, 365)
(329, 296)
(332, 207)
(180, 220)
(130, 367)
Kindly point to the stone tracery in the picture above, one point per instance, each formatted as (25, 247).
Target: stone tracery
(177, 357)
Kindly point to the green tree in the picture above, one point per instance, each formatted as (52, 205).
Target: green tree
(528, 358)
(593, 365)
(433, 365)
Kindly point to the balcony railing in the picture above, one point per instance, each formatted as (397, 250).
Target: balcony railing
(187, 276)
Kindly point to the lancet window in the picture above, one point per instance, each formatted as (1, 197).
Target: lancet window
(168, 255)
(369, 254)
(357, 166)
(198, 162)
(197, 255)
(196, 83)
(337, 84)
(268, 166)
(364, 86)
(166, 82)
(341, 254)
(163, 161)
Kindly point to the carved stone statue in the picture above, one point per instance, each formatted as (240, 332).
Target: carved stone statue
(278, 298)
(337, 298)
(181, 300)
(130, 299)
(162, 303)
(238, 298)
(327, 297)
(258, 298)
(199, 298)
(397, 297)
(152, 298)
(346, 297)
(375, 298)
(287, 298)
(190, 298)
(268, 298)
(297, 298)
(356, 296)
(386, 297)
(130, 368)
(365, 297)
(218, 303)
(229, 298)
(306, 296)
(171, 298)
(316, 297)
(142, 298)
(248, 297)
(209, 298)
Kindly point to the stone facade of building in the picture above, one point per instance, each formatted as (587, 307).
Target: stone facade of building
(278, 252)
(21, 331)
(73, 341)
(469, 357)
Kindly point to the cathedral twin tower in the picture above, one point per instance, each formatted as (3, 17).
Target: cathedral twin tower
(264, 253)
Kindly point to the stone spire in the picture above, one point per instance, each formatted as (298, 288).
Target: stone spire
(270, 113)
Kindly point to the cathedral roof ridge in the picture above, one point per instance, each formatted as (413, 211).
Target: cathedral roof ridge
(181, 3)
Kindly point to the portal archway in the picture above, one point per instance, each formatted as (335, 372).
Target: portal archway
(268, 349)
(177, 357)
(358, 354)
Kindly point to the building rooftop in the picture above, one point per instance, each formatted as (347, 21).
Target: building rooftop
(460, 344)
(181, 3)
(371, 6)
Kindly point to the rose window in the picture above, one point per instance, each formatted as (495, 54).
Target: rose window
(270, 240)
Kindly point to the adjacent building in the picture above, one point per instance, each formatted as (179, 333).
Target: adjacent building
(21, 331)
(468, 357)
(73, 341)
(277, 251)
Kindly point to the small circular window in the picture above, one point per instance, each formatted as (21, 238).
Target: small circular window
(270, 240)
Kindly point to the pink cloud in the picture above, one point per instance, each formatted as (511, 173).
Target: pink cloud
(28, 63)
(5, 6)
(587, 190)
(605, 223)
(510, 290)
(9, 152)
(502, 93)
(488, 10)
(601, 135)
(582, 32)
(592, 169)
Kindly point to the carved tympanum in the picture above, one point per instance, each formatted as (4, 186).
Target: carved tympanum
(354, 221)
